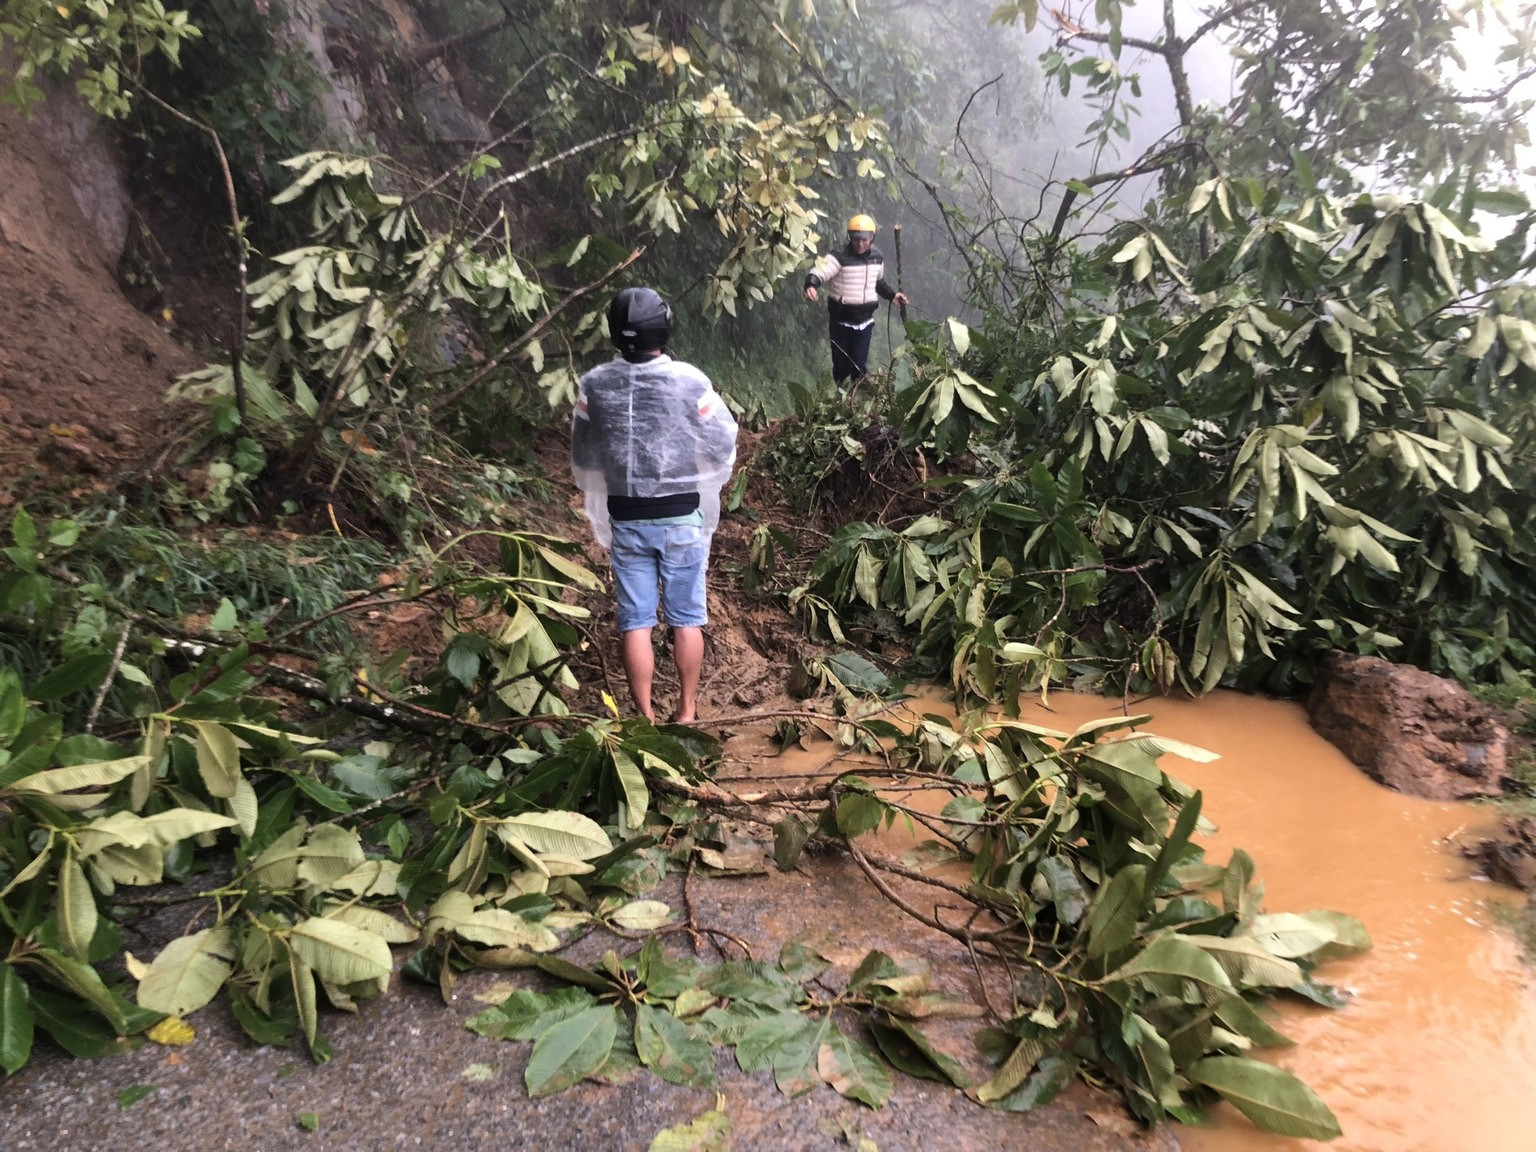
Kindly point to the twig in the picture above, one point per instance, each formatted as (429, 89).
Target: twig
(106, 683)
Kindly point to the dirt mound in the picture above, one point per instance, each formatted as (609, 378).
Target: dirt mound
(82, 374)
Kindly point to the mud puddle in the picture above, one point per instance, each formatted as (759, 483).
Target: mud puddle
(1437, 1050)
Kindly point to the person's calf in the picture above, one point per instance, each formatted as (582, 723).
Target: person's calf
(639, 669)
(688, 653)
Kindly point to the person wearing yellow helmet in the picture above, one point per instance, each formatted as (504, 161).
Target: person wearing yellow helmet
(855, 283)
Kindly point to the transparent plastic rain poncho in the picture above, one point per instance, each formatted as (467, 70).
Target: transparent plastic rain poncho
(657, 428)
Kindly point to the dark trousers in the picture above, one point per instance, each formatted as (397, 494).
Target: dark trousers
(850, 350)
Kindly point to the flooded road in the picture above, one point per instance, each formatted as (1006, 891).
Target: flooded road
(1437, 1050)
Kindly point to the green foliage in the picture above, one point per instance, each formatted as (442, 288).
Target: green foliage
(326, 846)
(248, 81)
(1140, 963)
(1261, 423)
(104, 44)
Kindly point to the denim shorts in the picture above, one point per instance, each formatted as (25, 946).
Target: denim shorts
(648, 553)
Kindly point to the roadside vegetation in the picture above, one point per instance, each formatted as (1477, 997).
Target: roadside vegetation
(1283, 407)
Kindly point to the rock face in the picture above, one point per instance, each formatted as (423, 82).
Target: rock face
(1408, 729)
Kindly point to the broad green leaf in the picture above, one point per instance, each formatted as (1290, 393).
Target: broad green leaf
(303, 980)
(1178, 838)
(176, 824)
(277, 865)
(790, 836)
(562, 833)
(1290, 936)
(1248, 962)
(244, 808)
(13, 707)
(102, 774)
(858, 813)
(1349, 935)
(218, 758)
(224, 618)
(75, 908)
(331, 853)
(188, 972)
(138, 866)
(908, 1049)
(1111, 922)
(120, 829)
(573, 973)
(85, 982)
(637, 797)
(1054, 1072)
(1242, 1018)
(16, 1020)
(84, 1037)
(642, 915)
(1173, 955)
(763, 1039)
(669, 1048)
(1271, 1097)
(1067, 891)
(498, 928)
(853, 1070)
(374, 920)
(32, 870)
(960, 335)
(571, 1051)
(340, 953)
(527, 1015)
(370, 878)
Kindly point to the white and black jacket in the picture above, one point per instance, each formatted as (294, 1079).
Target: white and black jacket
(855, 283)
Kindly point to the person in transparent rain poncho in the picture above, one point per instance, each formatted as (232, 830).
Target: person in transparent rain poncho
(652, 444)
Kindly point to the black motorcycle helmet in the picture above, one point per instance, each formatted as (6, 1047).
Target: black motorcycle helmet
(639, 321)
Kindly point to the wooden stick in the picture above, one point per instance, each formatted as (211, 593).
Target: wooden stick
(896, 231)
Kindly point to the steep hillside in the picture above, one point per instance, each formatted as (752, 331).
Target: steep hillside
(82, 373)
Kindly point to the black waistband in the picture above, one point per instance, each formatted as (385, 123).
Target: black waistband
(652, 507)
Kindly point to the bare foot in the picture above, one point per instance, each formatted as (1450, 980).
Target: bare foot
(679, 718)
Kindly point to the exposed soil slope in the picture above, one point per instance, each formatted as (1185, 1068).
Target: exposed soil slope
(82, 373)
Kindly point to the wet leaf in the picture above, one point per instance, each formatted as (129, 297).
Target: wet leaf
(669, 1048)
(1271, 1097)
(853, 1070)
(128, 1097)
(16, 1020)
(309, 1121)
(1014, 1071)
(1173, 955)
(1054, 1072)
(710, 1132)
(790, 836)
(83, 1037)
(218, 758)
(571, 1051)
(527, 1015)
(340, 953)
(906, 1047)
(76, 909)
(1112, 920)
(642, 915)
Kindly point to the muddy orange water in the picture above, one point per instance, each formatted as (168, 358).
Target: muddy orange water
(1436, 1052)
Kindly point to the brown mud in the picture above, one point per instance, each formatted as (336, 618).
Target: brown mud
(83, 374)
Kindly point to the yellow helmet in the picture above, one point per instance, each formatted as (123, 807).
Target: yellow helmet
(861, 223)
